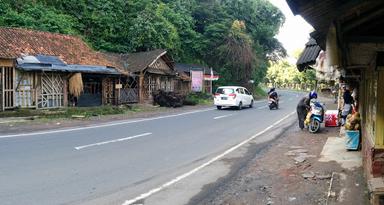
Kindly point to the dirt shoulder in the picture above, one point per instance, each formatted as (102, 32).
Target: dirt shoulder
(277, 175)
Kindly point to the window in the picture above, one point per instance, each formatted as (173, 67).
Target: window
(240, 90)
(225, 91)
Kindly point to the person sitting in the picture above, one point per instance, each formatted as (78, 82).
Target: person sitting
(272, 95)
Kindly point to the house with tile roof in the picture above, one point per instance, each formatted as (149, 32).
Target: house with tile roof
(148, 72)
(36, 68)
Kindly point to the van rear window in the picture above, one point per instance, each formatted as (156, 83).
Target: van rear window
(225, 91)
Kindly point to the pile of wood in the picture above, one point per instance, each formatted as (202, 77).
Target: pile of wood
(168, 99)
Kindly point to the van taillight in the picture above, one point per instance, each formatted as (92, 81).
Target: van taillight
(232, 95)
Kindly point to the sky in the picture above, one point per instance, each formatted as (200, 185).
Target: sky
(295, 32)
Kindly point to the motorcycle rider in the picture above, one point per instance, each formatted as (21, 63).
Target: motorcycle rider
(272, 95)
(304, 106)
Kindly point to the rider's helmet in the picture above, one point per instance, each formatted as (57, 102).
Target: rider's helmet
(271, 90)
(312, 95)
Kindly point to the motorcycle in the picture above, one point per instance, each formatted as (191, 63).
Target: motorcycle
(316, 117)
(273, 103)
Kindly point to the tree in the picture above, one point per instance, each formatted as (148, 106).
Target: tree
(191, 30)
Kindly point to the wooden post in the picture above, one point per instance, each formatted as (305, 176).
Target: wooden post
(119, 92)
(103, 91)
(37, 89)
(65, 91)
(379, 141)
(2, 89)
(14, 86)
(141, 87)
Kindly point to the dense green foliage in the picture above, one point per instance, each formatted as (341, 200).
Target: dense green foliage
(284, 74)
(197, 98)
(193, 31)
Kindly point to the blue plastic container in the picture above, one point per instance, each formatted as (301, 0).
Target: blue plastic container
(352, 140)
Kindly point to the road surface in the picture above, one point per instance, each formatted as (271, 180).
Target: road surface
(125, 162)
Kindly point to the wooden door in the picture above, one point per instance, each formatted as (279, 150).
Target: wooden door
(52, 91)
(109, 95)
(129, 93)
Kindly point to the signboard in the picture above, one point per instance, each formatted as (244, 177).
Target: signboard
(211, 77)
(119, 86)
(197, 80)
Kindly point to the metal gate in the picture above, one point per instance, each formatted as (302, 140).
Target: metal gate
(7, 87)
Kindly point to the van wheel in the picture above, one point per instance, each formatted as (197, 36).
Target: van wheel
(219, 107)
(251, 105)
(240, 106)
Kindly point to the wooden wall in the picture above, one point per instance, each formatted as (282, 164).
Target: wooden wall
(7, 83)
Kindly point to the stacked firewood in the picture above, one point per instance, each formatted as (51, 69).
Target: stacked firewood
(168, 99)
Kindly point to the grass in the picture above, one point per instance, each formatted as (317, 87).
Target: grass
(85, 112)
(198, 99)
(259, 92)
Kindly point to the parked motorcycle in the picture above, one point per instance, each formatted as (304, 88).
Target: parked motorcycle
(273, 104)
(316, 117)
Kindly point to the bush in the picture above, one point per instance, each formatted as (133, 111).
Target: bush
(259, 92)
(197, 98)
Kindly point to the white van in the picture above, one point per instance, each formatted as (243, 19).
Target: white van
(233, 96)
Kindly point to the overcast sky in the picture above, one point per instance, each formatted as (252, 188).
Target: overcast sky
(295, 32)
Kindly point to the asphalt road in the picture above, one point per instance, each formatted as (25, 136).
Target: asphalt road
(120, 162)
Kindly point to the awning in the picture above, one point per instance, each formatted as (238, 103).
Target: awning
(54, 64)
(309, 55)
(211, 77)
(68, 68)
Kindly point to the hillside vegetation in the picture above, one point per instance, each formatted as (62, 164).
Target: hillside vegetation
(236, 37)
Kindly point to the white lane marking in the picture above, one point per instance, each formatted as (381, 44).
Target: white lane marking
(112, 141)
(183, 176)
(103, 125)
(223, 116)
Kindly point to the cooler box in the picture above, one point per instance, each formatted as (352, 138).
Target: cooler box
(331, 118)
(352, 139)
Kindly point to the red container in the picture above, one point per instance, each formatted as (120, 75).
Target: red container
(331, 118)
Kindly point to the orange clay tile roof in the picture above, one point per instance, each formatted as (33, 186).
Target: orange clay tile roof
(15, 42)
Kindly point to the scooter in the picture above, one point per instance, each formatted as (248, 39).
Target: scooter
(316, 118)
(273, 103)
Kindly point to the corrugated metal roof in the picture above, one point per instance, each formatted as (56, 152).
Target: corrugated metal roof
(309, 55)
(321, 14)
(54, 64)
(68, 68)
